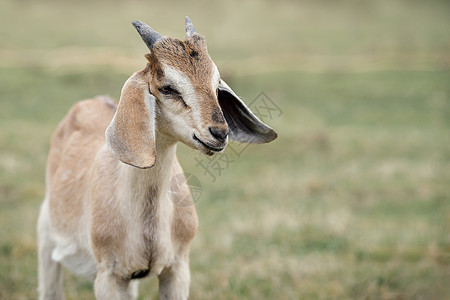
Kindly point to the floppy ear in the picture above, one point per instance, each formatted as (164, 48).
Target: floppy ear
(131, 134)
(244, 126)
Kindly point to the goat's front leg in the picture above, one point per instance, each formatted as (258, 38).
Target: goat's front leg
(50, 271)
(174, 282)
(111, 287)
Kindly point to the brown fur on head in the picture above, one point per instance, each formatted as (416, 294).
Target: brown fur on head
(190, 57)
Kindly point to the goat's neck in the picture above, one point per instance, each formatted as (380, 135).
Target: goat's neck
(152, 183)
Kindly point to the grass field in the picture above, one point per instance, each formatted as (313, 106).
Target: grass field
(352, 201)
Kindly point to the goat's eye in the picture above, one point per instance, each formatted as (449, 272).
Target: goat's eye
(168, 90)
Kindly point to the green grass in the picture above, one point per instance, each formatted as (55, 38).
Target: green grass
(352, 201)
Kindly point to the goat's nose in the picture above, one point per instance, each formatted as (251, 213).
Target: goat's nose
(219, 133)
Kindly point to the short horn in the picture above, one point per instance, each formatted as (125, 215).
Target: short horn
(190, 29)
(148, 35)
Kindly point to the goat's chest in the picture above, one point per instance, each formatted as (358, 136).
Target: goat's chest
(149, 239)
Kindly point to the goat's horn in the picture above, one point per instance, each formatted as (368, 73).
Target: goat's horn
(148, 35)
(190, 29)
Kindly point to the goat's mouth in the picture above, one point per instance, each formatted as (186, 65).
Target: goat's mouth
(205, 147)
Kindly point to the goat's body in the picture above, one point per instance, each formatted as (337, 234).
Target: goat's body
(107, 220)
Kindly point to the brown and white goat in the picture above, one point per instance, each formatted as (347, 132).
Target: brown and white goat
(110, 212)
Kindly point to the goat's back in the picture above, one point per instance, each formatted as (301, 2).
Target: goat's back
(73, 148)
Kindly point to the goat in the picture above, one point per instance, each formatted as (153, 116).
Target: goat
(110, 211)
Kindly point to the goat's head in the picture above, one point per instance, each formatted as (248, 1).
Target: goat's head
(179, 95)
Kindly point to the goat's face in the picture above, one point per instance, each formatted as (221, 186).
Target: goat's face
(179, 96)
(185, 82)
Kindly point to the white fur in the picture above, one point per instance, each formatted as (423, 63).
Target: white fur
(180, 80)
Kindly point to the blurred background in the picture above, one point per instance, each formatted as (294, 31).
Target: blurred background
(352, 201)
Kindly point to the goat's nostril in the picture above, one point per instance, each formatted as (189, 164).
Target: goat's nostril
(219, 133)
